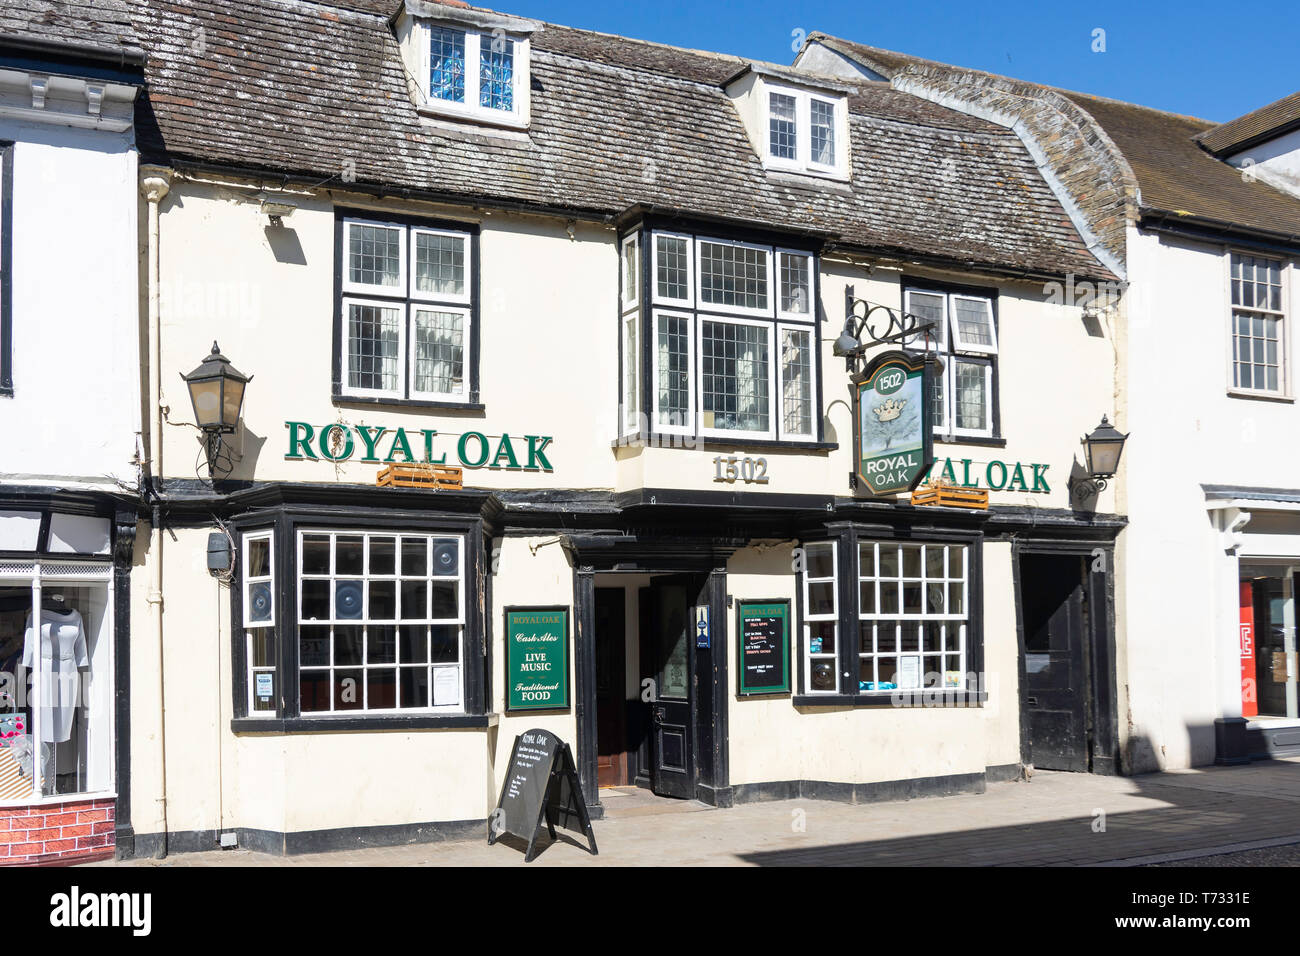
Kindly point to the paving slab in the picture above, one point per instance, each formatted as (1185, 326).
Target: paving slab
(1053, 819)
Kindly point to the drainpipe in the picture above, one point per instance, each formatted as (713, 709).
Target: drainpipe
(154, 185)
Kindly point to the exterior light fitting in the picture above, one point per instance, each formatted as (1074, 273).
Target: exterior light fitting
(217, 392)
(277, 211)
(1102, 448)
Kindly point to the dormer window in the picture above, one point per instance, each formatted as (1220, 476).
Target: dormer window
(474, 71)
(797, 122)
(803, 131)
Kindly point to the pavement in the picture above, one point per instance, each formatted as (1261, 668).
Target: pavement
(1245, 816)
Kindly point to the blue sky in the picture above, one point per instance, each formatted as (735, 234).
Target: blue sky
(1215, 61)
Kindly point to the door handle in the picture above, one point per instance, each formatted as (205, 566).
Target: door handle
(1031, 701)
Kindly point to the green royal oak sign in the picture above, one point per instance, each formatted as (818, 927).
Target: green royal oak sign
(893, 437)
(376, 444)
(537, 658)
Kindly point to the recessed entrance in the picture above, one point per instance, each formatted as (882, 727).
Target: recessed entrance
(1066, 674)
(646, 658)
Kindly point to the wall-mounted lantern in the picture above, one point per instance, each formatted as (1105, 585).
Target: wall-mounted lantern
(1101, 450)
(217, 393)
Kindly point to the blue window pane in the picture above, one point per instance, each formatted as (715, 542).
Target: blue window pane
(447, 64)
(496, 74)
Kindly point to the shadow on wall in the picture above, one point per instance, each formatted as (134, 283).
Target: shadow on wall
(247, 447)
(1142, 755)
(285, 245)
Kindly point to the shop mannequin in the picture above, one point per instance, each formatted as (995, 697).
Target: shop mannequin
(63, 653)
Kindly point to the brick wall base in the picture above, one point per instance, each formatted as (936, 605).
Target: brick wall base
(75, 831)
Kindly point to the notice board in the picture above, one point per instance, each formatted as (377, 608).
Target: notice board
(537, 658)
(763, 629)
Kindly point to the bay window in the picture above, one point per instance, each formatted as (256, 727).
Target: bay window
(733, 339)
(965, 337)
(367, 622)
(405, 327)
(1258, 325)
(380, 622)
(888, 615)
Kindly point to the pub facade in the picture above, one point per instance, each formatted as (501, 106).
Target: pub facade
(531, 377)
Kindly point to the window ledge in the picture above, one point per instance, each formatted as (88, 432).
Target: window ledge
(808, 177)
(1261, 396)
(694, 443)
(990, 442)
(409, 403)
(488, 119)
(895, 698)
(348, 724)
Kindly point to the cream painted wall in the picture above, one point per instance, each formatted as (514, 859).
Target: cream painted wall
(1186, 431)
(271, 308)
(771, 739)
(532, 572)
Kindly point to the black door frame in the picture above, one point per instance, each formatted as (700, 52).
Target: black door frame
(1099, 584)
(712, 773)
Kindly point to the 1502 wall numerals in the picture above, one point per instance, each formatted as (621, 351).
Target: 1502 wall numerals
(752, 471)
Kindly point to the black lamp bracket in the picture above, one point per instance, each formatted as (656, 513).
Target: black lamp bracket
(882, 324)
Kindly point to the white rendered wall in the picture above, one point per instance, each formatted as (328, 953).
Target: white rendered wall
(1186, 431)
(1276, 162)
(75, 412)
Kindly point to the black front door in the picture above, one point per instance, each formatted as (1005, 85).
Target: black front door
(1054, 695)
(667, 662)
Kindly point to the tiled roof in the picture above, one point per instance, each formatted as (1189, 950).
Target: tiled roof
(1245, 130)
(103, 26)
(303, 87)
(1174, 174)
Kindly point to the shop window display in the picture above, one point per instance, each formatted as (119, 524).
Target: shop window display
(55, 688)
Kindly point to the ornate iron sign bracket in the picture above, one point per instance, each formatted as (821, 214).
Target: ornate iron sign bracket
(883, 326)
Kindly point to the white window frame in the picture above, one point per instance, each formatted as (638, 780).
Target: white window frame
(655, 297)
(1284, 389)
(949, 347)
(962, 620)
(811, 315)
(773, 384)
(801, 147)
(813, 410)
(246, 581)
(467, 316)
(470, 109)
(466, 240)
(950, 395)
(629, 299)
(963, 346)
(400, 306)
(803, 162)
(685, 428)
(705, 306)
(363, 288)
(428, 621)
(837, 106)
(833, 616)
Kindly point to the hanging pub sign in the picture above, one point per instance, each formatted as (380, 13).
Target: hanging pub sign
(537, 658)
(892, 435)
(764, 628)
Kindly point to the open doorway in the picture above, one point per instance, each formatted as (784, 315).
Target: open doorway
(646, 659)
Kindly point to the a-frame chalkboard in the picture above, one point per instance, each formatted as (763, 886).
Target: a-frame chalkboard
(541, 786)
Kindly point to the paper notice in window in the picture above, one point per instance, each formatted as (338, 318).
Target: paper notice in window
(446, 686)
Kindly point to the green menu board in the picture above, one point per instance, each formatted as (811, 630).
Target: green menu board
(764, 628)
(537, 658)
